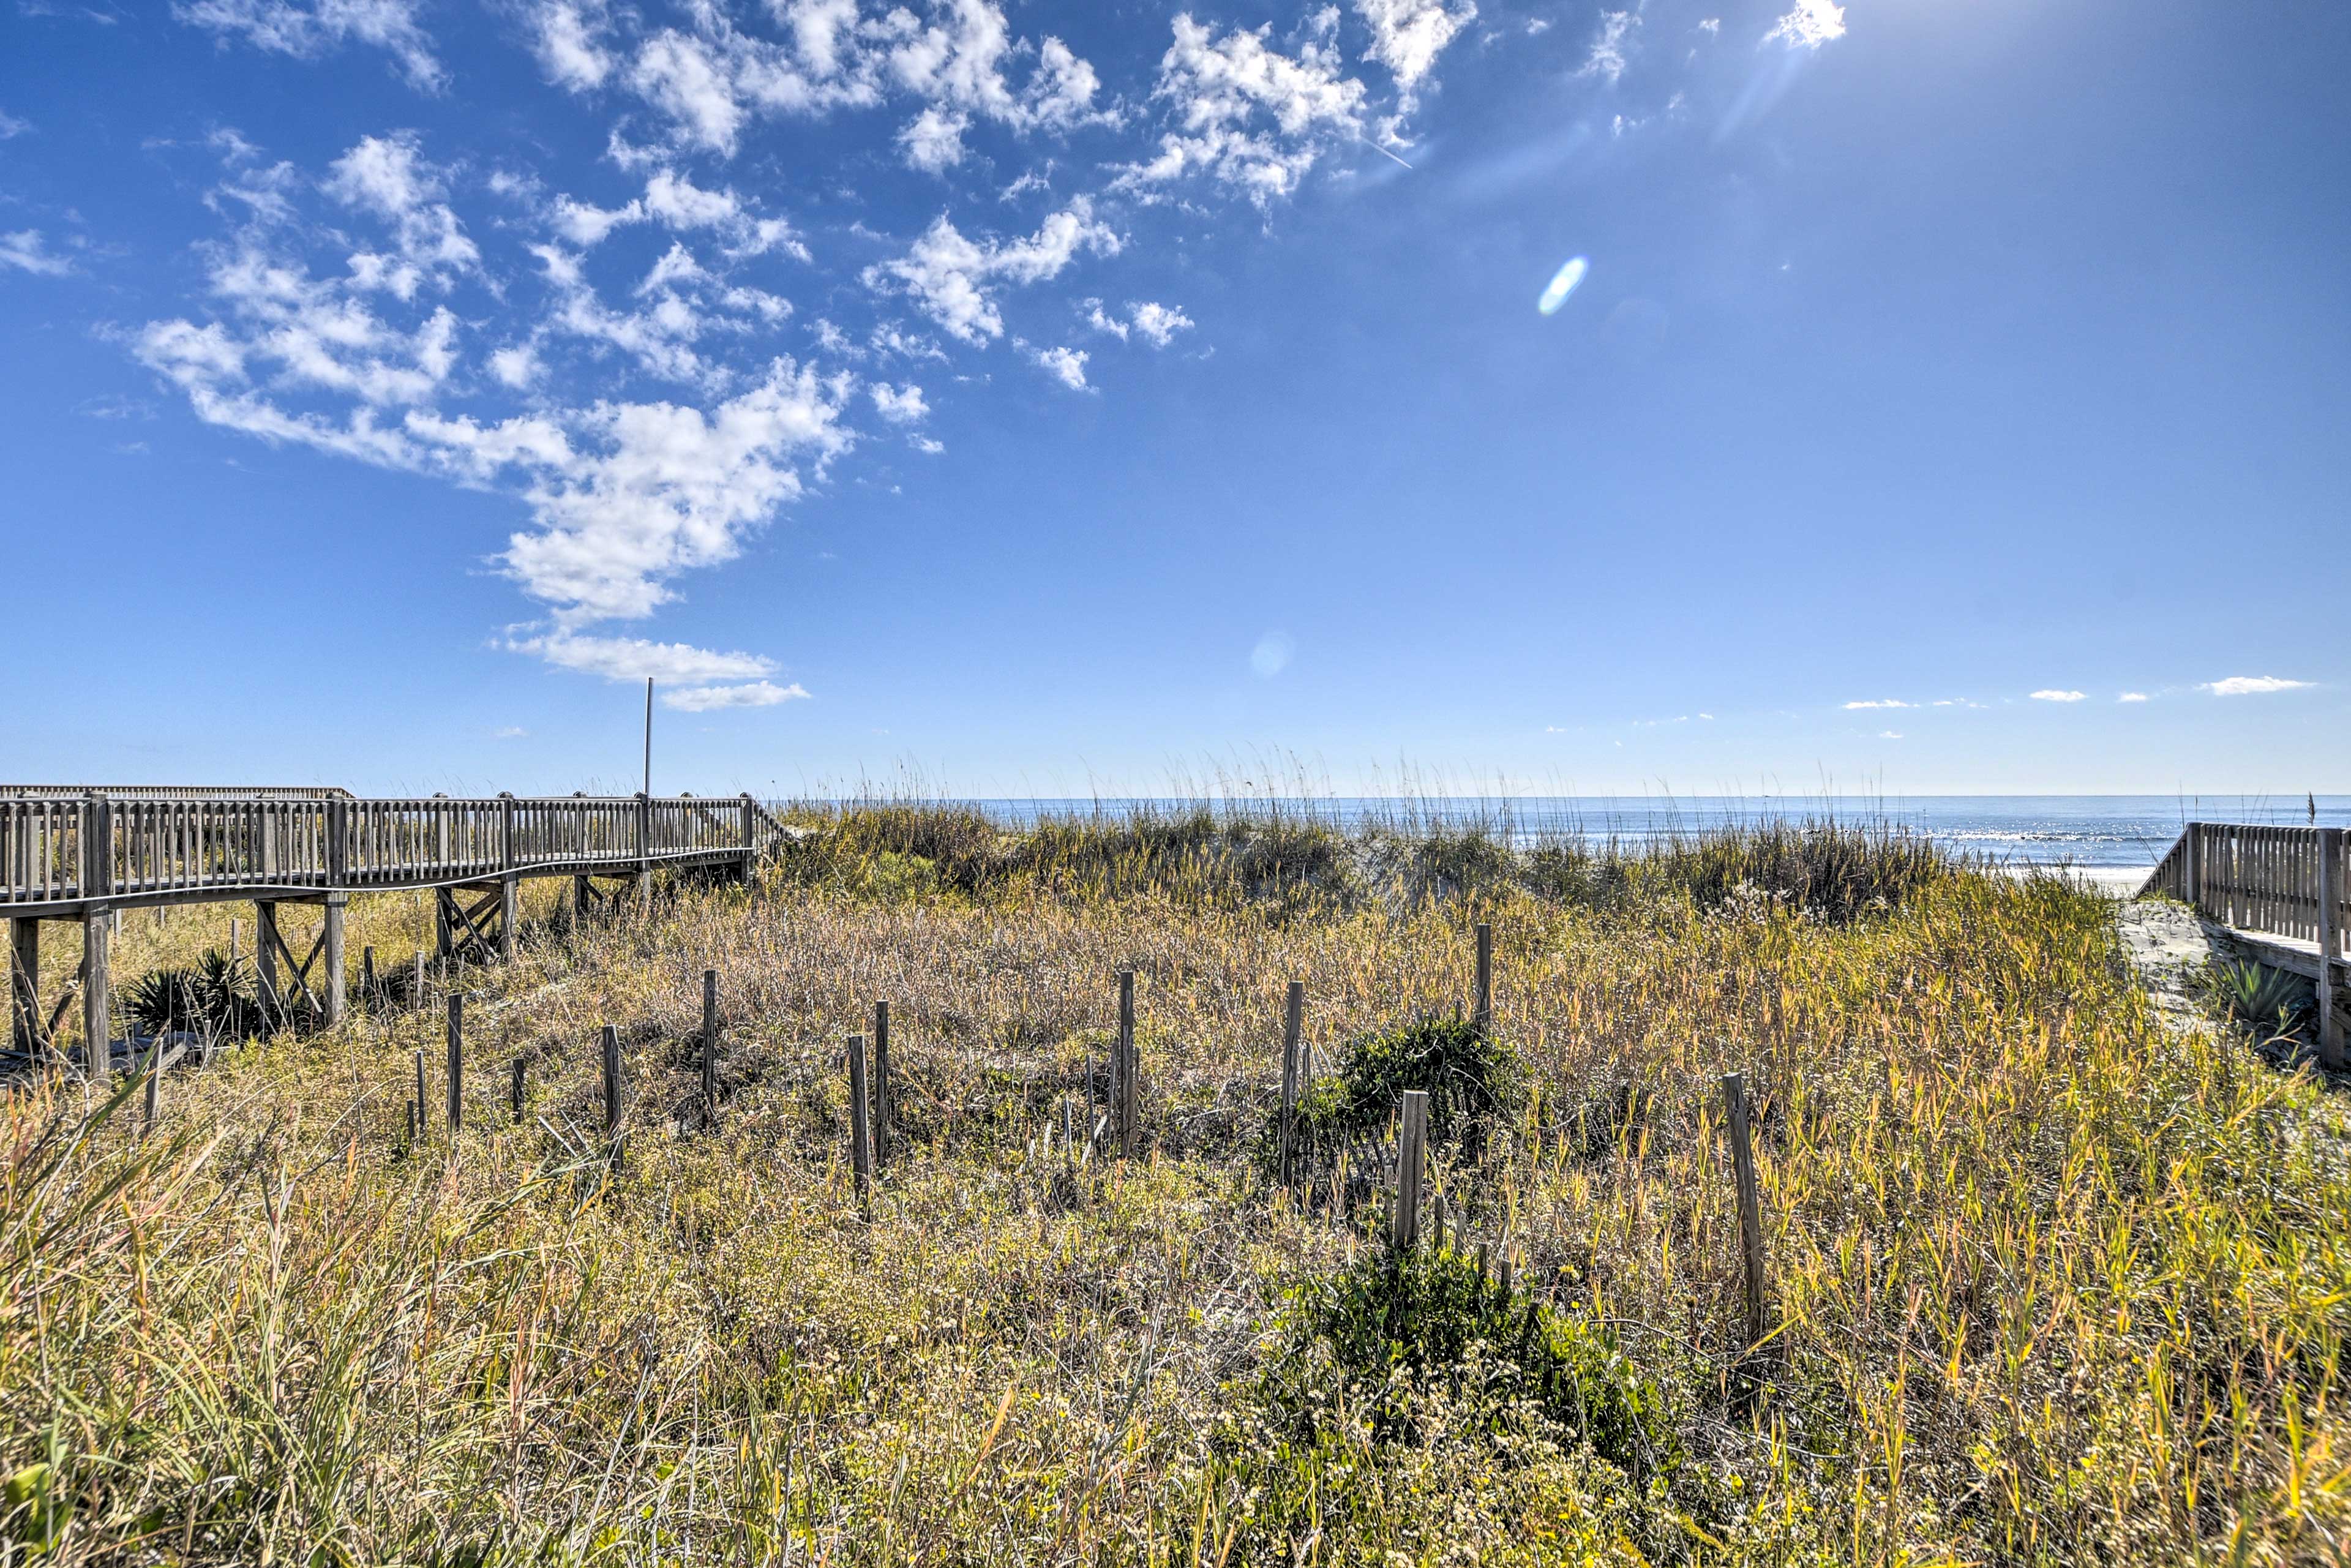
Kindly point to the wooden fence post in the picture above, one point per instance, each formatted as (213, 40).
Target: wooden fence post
(1751, 1207)
(520, 1068)
(881, 1083)
(1129, 1098)
(611, 1041)
(2192, 874)
(1293, 1020)
(861, 1153)
(421, 1101)
(456, 1059)
(2330, 944)
(710, 1043)
(153, 1107)
(1484, 1015)
(1412, 1133)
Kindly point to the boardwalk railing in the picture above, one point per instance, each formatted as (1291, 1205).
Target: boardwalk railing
(2259, 879)
(2281, 888)
(60, 851)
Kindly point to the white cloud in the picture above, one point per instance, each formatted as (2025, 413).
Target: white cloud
(508, 732)
(706, 699)
(1609, 46)
(639, 659)
(900, 405)
(2132, 697)
(1711, 24)
(1889, 735)
(388, 176)
(1224, 91)
(1272, 655)
(1882, 702)
(2251, 686)
(26, 251)
(12, 126)
(2053, 695)
(958, 60)
(1067, 366)
(926, 445)
(1809, 26)
(1408, 34)
(1158, 323)
(685, 81)
(948, 275)
(570, 41)
(933, 142)
(308, 30)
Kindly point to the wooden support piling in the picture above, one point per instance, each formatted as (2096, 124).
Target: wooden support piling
(861, 1153)
(1412, 1133)
(96, 992)
(24, 987)
(332, 953)
(1751, 1207)
(416, 992)
(1483, 1016)
(456, 1059)
(509, 914)
(266, 941)
(236, 938)
(1293, 1023)
(2330, 944)
(521, 1071)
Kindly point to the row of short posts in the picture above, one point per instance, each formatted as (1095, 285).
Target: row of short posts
(1411, 1140)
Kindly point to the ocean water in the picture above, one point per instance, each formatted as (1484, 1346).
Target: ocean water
(2111, 840)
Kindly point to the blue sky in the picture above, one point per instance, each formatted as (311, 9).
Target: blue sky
(1051, 399)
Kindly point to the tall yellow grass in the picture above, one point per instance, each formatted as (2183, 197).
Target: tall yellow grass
(2058, 1285)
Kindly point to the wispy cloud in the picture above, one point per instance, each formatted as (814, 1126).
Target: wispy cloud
(640, 658)
(2132, 697)
(708, 699)
(307, 31)
(1880, 702)
(2053, 695)
(26, 251)
(2251, 686)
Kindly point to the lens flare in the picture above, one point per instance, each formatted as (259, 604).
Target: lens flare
(1562, 284)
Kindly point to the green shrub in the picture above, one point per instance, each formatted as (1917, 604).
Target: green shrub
(1471, 1079)
(1390, 1332)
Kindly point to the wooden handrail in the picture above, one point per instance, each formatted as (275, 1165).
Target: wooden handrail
(97, 847)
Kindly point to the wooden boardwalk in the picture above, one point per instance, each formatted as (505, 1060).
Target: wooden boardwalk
(2280, 892)
(80, 855)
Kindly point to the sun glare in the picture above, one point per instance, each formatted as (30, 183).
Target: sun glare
(1562, 284)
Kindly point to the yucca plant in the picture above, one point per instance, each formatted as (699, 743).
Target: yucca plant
(2271, 998)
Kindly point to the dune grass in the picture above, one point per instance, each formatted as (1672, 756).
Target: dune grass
(2056, 1284)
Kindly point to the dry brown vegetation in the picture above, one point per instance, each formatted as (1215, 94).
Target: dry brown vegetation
(2058, 1285)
